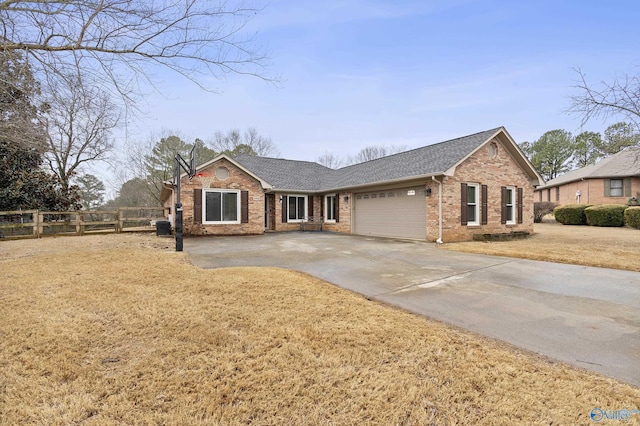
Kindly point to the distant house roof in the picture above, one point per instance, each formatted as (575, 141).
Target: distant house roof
(432, 160)
(625, 163)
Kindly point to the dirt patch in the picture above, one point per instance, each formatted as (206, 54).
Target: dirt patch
(122, 330)
(617, 248)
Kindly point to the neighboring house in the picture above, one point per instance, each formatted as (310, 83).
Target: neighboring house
(612, 180)
(477, 184)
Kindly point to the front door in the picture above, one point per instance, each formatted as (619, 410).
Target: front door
(269, 212)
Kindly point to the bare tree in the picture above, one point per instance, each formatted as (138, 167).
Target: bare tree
(619, 98)
(374, 152)
(78, 121)
(234, 142)
(330, 160)
(117, 43)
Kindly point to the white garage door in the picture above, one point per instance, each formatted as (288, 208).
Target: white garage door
(400, 213)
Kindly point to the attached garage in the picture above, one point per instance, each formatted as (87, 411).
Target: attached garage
(397, 213)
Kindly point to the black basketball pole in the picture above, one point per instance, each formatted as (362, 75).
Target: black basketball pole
(178, 215)
(189, 168)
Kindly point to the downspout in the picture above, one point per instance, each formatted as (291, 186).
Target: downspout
(439, 240)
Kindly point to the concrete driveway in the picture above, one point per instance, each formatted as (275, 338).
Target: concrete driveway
(588, 317)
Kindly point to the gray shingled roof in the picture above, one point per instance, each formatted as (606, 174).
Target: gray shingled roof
(623, 164)
(308, 176)
(286, 174)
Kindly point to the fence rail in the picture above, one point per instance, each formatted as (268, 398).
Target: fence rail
(36, 223)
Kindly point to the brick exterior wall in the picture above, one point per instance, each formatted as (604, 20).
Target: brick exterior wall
(237, 179)
(482, 168)
(344, 215)
(591, 192)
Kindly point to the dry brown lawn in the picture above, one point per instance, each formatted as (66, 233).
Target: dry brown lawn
(617, 248)
(121, 330)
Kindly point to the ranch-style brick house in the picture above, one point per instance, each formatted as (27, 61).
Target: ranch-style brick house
(445, 192)
(612, 180)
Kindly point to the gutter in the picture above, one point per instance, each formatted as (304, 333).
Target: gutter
(370, 184)
(439, 240)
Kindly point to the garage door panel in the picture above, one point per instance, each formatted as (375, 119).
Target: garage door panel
(400, 213)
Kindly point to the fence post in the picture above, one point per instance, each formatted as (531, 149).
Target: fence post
(36, 224)
(40, 223)
(79, 225)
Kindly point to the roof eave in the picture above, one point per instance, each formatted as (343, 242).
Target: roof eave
(383, 182)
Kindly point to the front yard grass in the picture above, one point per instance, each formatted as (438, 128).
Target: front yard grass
(119, 329)
(617, 248)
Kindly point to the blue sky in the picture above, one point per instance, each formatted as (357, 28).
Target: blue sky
(361, 72)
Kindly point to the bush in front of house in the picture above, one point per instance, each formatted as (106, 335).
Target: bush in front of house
(605, 215)
(571, 214)
(541, 209)
(632, 217)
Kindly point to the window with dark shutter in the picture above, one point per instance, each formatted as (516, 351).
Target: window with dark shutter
(503, 205)
(519, 203)
(244, 206)
(485, 206)
(627, 187)
(463, 203)
(283, 202)
(607, 187)
(197, 206)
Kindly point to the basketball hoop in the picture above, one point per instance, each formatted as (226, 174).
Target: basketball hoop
(206, 179)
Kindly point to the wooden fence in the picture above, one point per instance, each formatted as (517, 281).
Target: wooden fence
(36, 223)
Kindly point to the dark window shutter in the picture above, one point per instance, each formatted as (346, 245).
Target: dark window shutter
(627, 187)
(503, 205)
(519, 201)
(338, 207)
(284, 202)
(322, 201)
(244, 206)
(310, 212)
(197, 206)
(463, 204)
(607, 187)
(485, 206)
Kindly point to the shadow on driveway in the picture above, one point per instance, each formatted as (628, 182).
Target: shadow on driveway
(587, 317)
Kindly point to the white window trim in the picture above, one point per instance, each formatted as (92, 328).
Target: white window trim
(306, 207)
(477, 205)
(326, 208)
(204, 207)
(611, 188)
(514, 205)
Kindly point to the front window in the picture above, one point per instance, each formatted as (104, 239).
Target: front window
(616, 188)
(330, 208)
(221, 206)
(297, 208)
(510, 205)
(472, 204)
